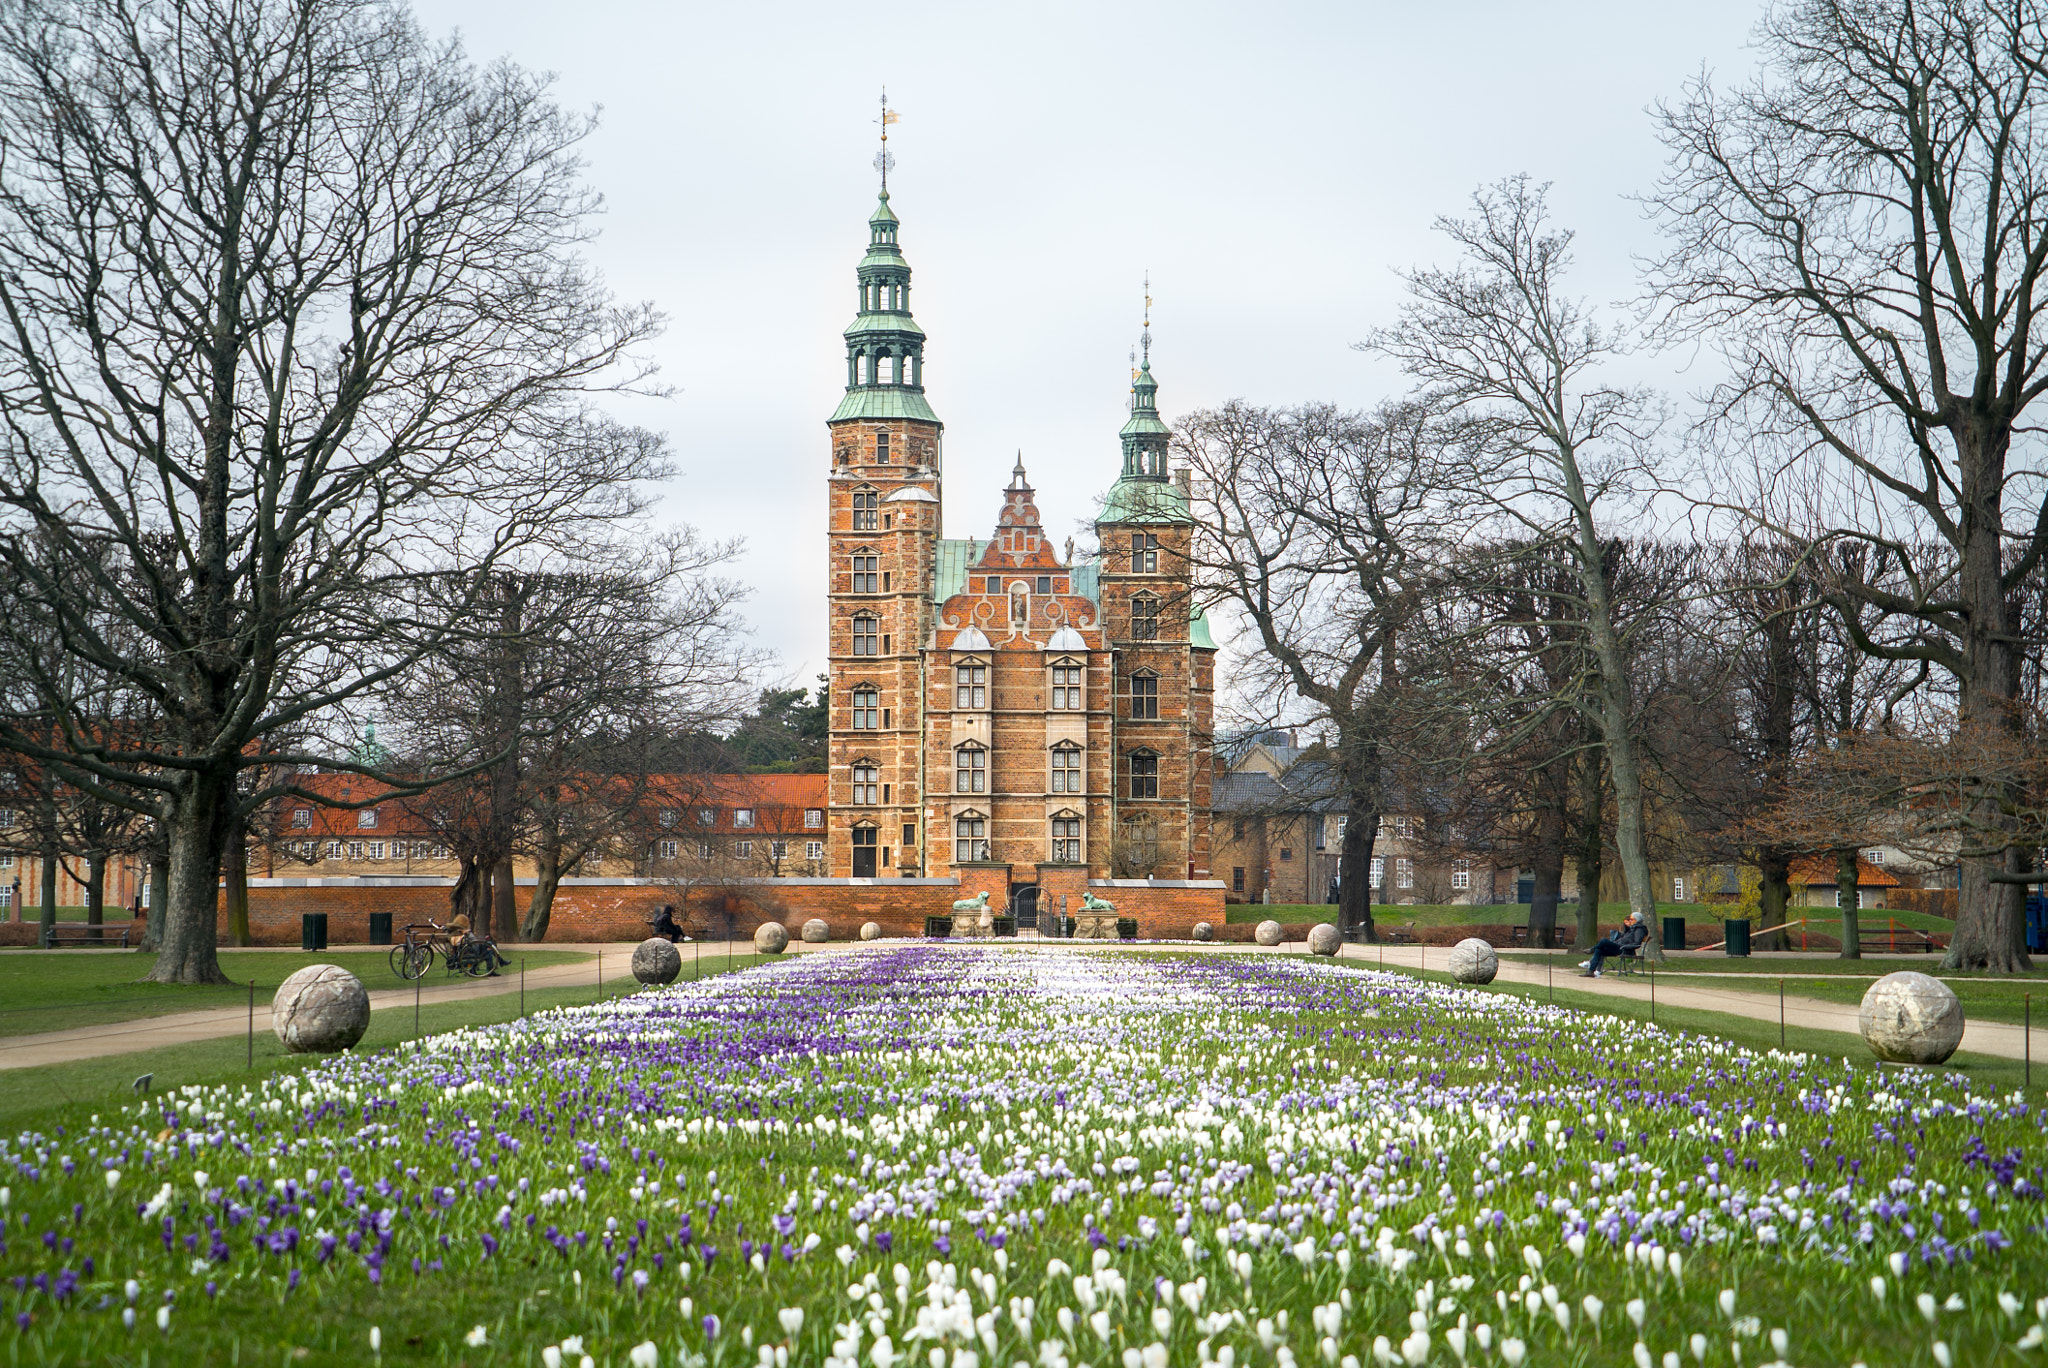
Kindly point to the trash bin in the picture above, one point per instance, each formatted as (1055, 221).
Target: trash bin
(1674, 933)
(380, 928)
(312, 931)
(1738, 937)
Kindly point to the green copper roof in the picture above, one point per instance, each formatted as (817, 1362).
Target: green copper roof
(1198, 632)
(883, 213)
(953, 558)
(884, 401)
(1141, 500)
(884, 323)
(1145, 420)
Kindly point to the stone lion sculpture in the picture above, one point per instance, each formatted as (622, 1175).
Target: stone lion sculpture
(1091, 903)
(977, 903)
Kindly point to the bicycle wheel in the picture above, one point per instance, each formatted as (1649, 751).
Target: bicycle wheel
(479, 962)
(418, 959)
(399, 955)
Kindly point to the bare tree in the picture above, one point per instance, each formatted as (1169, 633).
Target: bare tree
(1326, 531)
(1549, 442)
(1860, 229)
(290, 317)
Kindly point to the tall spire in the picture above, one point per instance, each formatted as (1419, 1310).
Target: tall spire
(1145, 436)
(884, 345)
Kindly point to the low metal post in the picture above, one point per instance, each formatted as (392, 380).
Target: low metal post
(522, 985)
(1653, 995)
(1781, 1014)
(2027, 1029)
(1550, 981)
(600, 974)
(416, 1004)
(252, 1023)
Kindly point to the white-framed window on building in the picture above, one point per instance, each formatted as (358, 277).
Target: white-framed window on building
(334, 850)
(1678, 890)
(703, 850)
(814, 850)
(867, 509)
(1379, 872)
(814, 819)
(355, 850)
(970, 685)
(668, 818)
(366, 818)
(1066, 838)
(778, 850)
(970, 769)
(1461, 875)
(7, 896)
(1144, 769)
(666, 849)
(867, 783)
(867, 572)
(376, 850)
(970, 838)
(1066, 768)
(867, 709)
(1144, 553)
(1144, 618)
(742, 817)
(1404, 873)
(706, 817)
(1068, 693)
(6, 859)
(867, 634)
(302, 818)
(744, 849)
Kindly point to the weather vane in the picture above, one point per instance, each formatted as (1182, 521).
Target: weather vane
(1145, 338)
(883, 161)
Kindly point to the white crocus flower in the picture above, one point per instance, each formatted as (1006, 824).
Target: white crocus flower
(477, 1337)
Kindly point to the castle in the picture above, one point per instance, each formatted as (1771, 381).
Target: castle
(1000, 715)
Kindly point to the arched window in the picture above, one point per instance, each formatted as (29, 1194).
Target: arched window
(1066, 838)
(867, 631)
(1144, 768)
(867, 571)
(1066, 768)
(867, 708)
(867, 779)
(970, 685)
(970, 769)
(1144, 696)
(867, 508)
(970, 838)
(1144, 618)
(1068, 694)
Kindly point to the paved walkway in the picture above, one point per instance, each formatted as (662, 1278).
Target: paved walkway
(1672, 987)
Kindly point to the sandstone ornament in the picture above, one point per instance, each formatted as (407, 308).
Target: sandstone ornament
(1268, 933)
(870, 931)
(1323, 939)
(656, 961)
(1909, 1018)
(320, 1009)
(817, 931)
(771, 938)
(1474, 961)
(1204, 931)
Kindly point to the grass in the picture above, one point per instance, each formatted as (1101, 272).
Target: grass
(1984, 998)
(1517, 914)
(57, 990)
(27, 1095)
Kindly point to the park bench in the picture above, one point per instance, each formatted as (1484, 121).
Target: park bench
(1898, 940)
(85, 935)
(1394, 935)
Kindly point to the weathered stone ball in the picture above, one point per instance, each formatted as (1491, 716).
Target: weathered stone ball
(1268, 933)
(656, 961)
(320, 1009)
(1474, 961)
(771, 938)
(1324, 939)
(870, 931)
(817, 931)
(1204, 931)
(1909, 1018)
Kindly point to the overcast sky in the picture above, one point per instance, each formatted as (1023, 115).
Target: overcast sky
(1271, 165)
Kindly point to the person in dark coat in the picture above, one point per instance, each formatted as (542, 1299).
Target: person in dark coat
(1625, 941)
(665, 925)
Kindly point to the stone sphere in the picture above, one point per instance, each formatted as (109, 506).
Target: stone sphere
(1909, 1018)
(1324, 939)
(320, 1009)
(871, 931)
(656, 961)
(816, 931)
(1204, 931)
(1474, 961)
(1268, 933)
(771, 938)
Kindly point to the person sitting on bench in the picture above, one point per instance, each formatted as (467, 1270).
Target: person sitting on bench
(1625, 941)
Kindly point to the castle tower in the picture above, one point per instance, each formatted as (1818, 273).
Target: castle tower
(1164, 661)
(884, 526)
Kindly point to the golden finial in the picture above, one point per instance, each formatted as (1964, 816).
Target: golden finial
(883, 161)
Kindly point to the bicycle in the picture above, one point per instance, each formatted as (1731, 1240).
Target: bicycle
(415, 956)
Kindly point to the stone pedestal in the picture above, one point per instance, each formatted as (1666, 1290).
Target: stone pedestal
(974, 922)
(1094, 925)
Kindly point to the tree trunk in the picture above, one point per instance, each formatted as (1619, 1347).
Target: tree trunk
(49, 860)
(1591, 853)
(1354, 872)
(504, 923)
(547, 872)
(1848, 898)
(159, 898)
(96, 893)
(235, 869)
(1773, 896)
(198, 831)
(1549, 880)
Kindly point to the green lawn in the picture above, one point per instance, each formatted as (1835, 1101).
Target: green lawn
(55, 990)
(28, 1093)
(1517, 914)
(1984, 998)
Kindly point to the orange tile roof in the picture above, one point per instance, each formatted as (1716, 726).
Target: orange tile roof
(1820, 869)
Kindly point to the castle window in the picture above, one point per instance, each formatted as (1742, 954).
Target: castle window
(970, 838)
(1144, 774)
(866, 782)
(1066, 768)
(867, 630)
(994, 585)
(1066, 686)
(1144, 697)
(1237, 879)
(866, 708)
(866, 573)
(1379, 872)
(970, 686)
(1066, 839)
(1045, 584)
(867, 508)
(970, 770)
(882, 439)
(1144, 553)
(1144, 619)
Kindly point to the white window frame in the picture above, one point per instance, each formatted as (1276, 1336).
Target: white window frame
(744, 849)
(667, 849)
(814, 818)
(366, 819)
(814, 850)
(1461, 875)
(1404, 873)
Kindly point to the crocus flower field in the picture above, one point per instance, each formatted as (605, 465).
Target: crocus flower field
(957, 1157)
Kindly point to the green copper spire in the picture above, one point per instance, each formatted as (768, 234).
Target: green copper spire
(884, 345)
(1144, 493)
